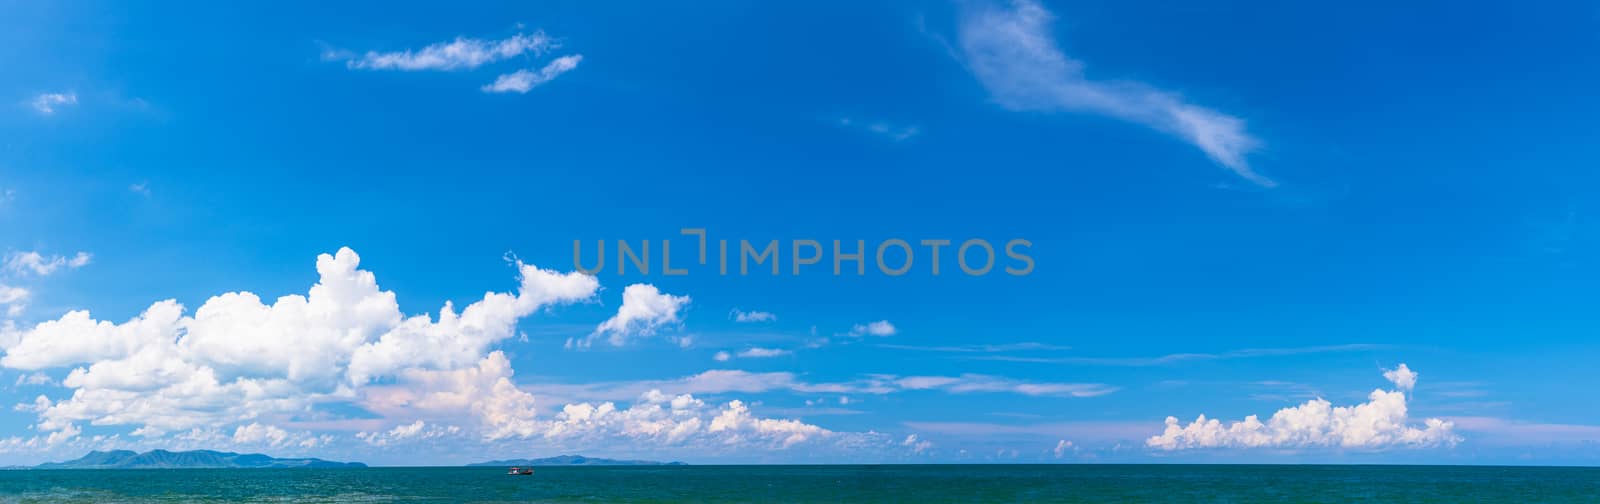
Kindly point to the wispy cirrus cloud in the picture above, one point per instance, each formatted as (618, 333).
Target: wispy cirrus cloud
(9, 294)
(966, 349)
(466, 53)
(1015, 57)
(974, 383)
(1176, 358)
(463, 53)
(761, 353)
(15, 300)
(48, 103)
(882, 129)
(878, 328)
(1509, 432)
(722, 381)
(33, 262)
(522, 81)
(751, 316)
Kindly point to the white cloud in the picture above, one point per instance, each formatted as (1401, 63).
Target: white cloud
(644, 310)
(34, 379)
(1061, 448)
(12, 295)
(916, 445)
(879, 328)
(1402, 377)
(415, 431)
(720, 381)
(47, 103)
(1381, 422)
(1491, 431)
(485, 390)
(255, 433)
(65, 433)
(141, 188)
(758, 352)
(722, 356)
(972, 383)
(522, 81)
(258, 435)
(457, 340)
(898, 133)
(751, 316)
(250, 373)
(39, 404)
(40, 264)
(1013, 54)
(460, 54)
(238, 359)
(680, 420)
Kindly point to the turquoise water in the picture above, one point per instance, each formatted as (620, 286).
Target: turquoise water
(916, 484)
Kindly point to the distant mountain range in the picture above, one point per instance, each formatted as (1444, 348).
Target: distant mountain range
(163, 459)
(571, 460)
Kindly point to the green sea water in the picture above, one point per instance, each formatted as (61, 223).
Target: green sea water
(920, 484)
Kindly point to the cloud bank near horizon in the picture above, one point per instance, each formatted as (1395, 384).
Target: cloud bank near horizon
(243, 372)
(1381, 422)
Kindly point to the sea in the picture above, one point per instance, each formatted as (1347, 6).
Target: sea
(920, 484)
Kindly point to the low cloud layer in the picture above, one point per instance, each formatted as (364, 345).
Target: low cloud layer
(239, 372)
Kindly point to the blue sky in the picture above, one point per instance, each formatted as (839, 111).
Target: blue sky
(1233, 210)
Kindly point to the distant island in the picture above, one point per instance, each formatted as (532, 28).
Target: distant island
(572, 460)
(163, 459)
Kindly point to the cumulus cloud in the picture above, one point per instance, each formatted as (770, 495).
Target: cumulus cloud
(33, 262)
(751, 316)
(678, 420)
(1014, 56)
(915, 444)
(644, 310)
(415, 431)
(879, 328)
(1381, 422)
(522, 81)
(47, 103)
(252, 373)
(1402, 377)
(485, 390)
(463, 53)
(238, 359)
(255, 433)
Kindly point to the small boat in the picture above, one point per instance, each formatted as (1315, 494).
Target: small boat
(520, 471)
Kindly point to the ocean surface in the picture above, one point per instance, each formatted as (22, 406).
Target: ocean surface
(920, 484)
